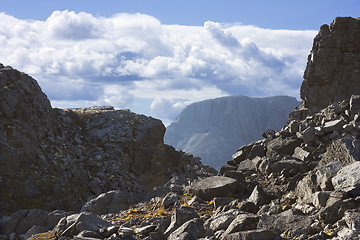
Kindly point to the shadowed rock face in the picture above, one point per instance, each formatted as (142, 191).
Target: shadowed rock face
(214, 129)
(57, 159)
(333, 70)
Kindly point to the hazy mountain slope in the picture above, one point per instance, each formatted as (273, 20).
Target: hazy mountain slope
(214, 129)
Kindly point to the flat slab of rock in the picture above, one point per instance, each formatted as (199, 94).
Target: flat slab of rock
(216, 186)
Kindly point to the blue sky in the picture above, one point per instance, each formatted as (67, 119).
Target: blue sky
(156, 57)
(275, 14)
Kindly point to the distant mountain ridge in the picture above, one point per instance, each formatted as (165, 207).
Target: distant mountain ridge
(213, 129)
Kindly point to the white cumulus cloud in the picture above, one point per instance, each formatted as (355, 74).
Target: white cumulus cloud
(130, 59)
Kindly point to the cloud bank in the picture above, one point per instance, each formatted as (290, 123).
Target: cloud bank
(133, 61)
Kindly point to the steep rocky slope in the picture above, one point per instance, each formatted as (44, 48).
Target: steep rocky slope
(57, 159)
(301, 182)
(213, 129)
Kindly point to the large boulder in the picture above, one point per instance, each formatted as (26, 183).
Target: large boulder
(192, 229)
(320, 179)
(109, 202)
(348, 179)
(283, 221)
(216, 186)
(243, 222)
(179, 217)
(74, 224)
(222, 220)
(346, 150)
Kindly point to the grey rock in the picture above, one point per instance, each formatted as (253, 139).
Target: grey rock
(332, 212)
(192, 229)
(332, 126)
(221, 221)
(355, 104)
(283, 221)
(34, 217)
(348, 127)
(304, 208)
(21, 221)
(109, 202)
(194, 201)
(222, 201)
(308, 135)
(247, 206)
(243, 222)
(319, 131)
(74, 224)
(335, 108)
(348, 179)
(352, 219)
(125, 231)
(317, 180)
(85, 234)
(293, 127)
(239, 156)
(247, 165)
(13, 221)
(259, 197)
(216, 186)
(301, 154)
(345, 150)
(347, 234)
(146, 230)
(269, 134)
(258, 150)
(179, 217)
(289, 166)
(257, 234)
(54, 217)
(169, 199)
(283, 146)
(319, 199)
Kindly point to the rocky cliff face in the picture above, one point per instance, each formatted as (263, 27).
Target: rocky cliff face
(57, 159)
(301, 182)
(332, 72)
(213, 129)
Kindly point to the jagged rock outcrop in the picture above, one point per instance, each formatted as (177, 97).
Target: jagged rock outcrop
(332, 72)
(213, 129)
(57, 159)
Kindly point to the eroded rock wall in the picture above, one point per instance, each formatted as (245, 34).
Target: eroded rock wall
(333, 70)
